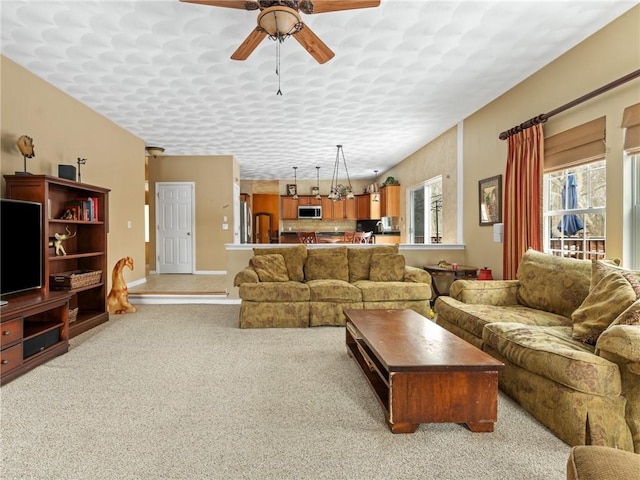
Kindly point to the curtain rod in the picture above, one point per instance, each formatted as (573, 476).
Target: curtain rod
(545, 116)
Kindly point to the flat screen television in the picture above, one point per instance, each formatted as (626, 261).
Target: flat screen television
(20, 246)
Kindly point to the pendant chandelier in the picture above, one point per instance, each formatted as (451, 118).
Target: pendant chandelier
(337, 189)
(295, 182)
(376, 193)
(318, 196)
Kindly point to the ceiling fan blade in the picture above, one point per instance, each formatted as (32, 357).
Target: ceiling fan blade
(249, 45)
(240, 4)
(312, 44)
(322, 6)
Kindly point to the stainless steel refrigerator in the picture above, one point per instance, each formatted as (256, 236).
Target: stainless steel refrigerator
(245, 223)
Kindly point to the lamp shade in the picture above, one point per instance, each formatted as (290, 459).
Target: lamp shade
(279, 21)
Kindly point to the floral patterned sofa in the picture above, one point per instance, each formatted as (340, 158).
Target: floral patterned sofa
(568, 332)
(296, 286)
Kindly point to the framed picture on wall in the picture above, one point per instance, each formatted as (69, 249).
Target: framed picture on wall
(291, 189)
(490, 200)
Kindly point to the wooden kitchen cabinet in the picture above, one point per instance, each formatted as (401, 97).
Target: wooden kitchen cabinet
(368, 206)
(345, 209)
(309, 200)
(288, 208)
(390, 201)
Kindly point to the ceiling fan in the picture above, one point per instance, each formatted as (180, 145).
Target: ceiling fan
(280, 19)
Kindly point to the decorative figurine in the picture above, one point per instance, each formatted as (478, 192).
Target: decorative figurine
(118, 298)
(57, 239)
(25, 145)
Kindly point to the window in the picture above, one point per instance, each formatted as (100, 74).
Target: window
(575, 211)
(424, 202)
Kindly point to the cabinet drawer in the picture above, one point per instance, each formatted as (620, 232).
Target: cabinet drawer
(10, 358)
(11, 332)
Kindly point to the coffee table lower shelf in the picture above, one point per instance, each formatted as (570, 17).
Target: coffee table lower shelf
(413, 396)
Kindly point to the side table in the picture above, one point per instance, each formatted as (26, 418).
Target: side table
(443, 277)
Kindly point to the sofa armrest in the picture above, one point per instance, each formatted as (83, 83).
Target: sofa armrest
(486, 292)
(620, 344)
(416, 275)
(246, 275)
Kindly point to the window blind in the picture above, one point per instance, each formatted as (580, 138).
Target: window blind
(631, 121)
(576, 146)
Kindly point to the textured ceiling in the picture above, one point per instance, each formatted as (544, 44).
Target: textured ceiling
(403, 73)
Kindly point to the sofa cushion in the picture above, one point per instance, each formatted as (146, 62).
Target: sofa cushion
(333, 291)
(607, 299)
(473, 317)
(392, 291)
(553, 284)
(552, 353)
(360, 259)
(329, 263)
(270, 268)
(387, 267)
(275, 292)
(294, 258)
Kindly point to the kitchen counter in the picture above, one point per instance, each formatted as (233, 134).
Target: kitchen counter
(334, 237)
(338, 234)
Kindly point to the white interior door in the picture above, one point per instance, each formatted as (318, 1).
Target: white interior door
(175, 239)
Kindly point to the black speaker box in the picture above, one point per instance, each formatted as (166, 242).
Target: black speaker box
(40, 342)
(67, 171)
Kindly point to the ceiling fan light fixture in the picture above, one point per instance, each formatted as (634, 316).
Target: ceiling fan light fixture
(279, 22)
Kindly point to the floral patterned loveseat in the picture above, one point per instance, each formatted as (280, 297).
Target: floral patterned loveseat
(296, 286)
(568, 332)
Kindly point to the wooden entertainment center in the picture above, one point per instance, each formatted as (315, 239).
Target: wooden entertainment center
(40, 319)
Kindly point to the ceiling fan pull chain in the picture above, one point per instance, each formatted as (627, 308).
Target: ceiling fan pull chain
(279, 92)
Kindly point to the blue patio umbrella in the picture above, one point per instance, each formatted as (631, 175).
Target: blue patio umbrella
(570, 224)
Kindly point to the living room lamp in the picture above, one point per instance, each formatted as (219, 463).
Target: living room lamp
(338, 190)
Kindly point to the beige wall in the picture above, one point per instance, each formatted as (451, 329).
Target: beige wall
(63, 129)
(606, 56)
(214, 177)
(438, 157)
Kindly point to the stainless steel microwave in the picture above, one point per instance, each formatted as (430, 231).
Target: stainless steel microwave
(310, 212)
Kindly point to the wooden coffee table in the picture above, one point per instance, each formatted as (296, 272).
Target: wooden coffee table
(421, 373)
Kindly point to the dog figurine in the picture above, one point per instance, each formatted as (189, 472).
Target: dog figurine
(118, 298)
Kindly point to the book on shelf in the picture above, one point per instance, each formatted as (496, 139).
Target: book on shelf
(85, 209)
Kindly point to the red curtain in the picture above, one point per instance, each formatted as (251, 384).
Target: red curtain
(522, 198)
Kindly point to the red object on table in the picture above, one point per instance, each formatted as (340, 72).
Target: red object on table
(485, 274)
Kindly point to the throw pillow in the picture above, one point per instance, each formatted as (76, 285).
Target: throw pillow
(329, 266)
(606, 300)
(294, 257)
(387, 267)
(553, 284)
(360, 260)
(631, 316)
(270, 268)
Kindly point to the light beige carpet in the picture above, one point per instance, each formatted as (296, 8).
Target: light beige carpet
(179, 392)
